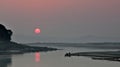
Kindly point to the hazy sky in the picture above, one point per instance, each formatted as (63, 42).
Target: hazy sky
(61, 20)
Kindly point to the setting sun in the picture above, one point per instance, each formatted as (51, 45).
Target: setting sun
(37, 31)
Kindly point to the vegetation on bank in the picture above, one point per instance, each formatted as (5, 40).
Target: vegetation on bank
(12, 47)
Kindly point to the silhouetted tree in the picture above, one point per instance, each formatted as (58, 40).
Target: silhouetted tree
(5, 35)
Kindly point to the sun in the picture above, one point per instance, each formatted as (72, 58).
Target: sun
(37, 31)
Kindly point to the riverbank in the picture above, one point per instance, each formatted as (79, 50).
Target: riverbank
(15, 48)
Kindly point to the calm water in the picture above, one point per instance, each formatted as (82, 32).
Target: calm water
(54, 59)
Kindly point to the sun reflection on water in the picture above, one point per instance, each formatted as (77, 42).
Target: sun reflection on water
(37, 56)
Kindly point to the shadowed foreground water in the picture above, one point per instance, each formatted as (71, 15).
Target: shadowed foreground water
(55, 59)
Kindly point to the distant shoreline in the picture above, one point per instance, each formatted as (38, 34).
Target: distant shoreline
(104, 45)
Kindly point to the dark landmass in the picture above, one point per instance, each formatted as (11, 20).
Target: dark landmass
(15, 48)
(103, 55)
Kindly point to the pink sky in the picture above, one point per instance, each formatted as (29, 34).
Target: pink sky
(62, 18)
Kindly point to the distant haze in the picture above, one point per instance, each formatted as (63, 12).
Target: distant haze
(62, 20)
